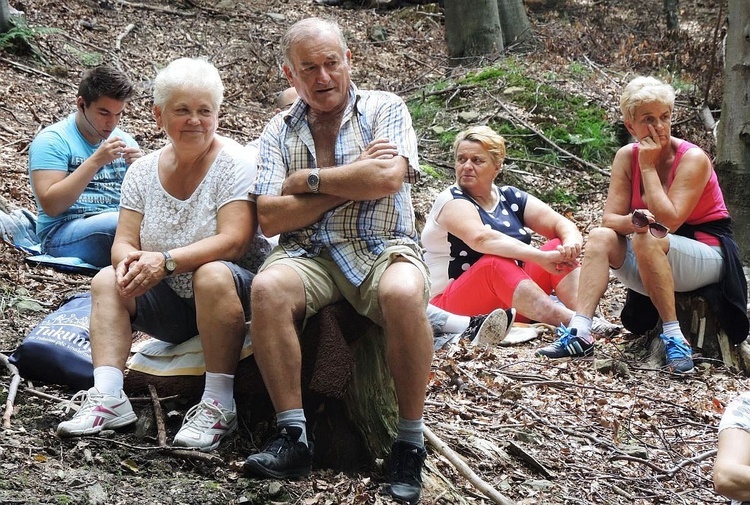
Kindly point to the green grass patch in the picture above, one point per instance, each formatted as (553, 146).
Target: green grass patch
(433, 171)
(571, 121)
(560, 199)
(423, 111)
(87, 58)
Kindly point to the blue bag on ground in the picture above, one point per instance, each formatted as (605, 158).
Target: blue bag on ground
(58, 350)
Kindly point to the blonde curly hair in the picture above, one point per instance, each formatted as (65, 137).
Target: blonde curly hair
(490, 140)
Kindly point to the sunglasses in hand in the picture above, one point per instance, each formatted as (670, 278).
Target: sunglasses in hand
(657, 229)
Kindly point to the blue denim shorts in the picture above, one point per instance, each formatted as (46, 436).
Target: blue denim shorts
(165, 315)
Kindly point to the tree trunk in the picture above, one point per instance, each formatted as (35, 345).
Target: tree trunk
(349, 397)
(472, 30)
(4, 16)
(478, 28)
(670, 10)
(733, 149)
(513, 21)
(701, 327)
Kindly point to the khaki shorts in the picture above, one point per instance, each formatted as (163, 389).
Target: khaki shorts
(325, 283)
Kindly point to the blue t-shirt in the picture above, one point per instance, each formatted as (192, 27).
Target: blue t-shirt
(62, 147)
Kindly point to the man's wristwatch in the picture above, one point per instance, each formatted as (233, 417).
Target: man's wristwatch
(170, 264)
(313, 180)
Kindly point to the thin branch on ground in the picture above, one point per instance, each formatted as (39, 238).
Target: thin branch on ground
(168, 450)
(531, 127)
(161, 431)
(462, 468)
(122, 35)
(14, 381)
(156, 8)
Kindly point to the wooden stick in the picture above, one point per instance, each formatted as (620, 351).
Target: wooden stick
(489, 491)
(33, 71)
(121, 36)
(181, 453)
(523, 455)
(15, 380)
(11, 398)
(161, 436)
(33, 391)
(666, 473)
(156, 9)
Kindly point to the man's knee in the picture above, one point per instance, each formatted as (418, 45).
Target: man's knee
(401, 282)
(277, 285)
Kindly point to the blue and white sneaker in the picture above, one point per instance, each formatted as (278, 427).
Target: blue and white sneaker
(679, 354)
(568, 345)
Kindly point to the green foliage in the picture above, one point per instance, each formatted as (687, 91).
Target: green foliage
(486, 74)
(680, 85)
(423, 110)
(432, 171)
(553, 109)
(20, 38)
(88, 59)
(446, 139)
(437, 86)
(578, 69)
(569, 120)
(560, 199)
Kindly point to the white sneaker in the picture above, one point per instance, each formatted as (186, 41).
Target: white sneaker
(98, 412)
(205, 425)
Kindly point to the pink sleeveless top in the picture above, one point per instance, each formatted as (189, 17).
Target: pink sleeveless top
(710, 206)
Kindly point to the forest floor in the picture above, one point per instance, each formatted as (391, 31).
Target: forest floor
(537, 432)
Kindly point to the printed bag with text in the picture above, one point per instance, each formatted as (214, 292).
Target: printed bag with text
(58, 350)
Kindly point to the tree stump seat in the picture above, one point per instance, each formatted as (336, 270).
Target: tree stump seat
(702, 328)
(348, 393)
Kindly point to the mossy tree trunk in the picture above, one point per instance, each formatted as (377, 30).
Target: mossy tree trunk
(733, 150)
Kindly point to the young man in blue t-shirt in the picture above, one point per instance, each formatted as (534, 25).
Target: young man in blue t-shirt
(76, 168)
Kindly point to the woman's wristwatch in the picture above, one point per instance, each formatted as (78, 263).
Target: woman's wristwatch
(170, 264)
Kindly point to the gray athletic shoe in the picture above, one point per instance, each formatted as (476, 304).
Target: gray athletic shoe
(600, 326)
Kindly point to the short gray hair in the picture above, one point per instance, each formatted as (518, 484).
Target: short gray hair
(306, 28)
(195, 74)
(643, 90)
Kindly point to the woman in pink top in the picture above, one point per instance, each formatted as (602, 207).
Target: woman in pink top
(658, 184)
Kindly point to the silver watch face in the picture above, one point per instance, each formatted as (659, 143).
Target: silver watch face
(170, 264)
(313, 180)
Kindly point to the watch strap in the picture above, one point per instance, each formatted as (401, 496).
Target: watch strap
(169, 263)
